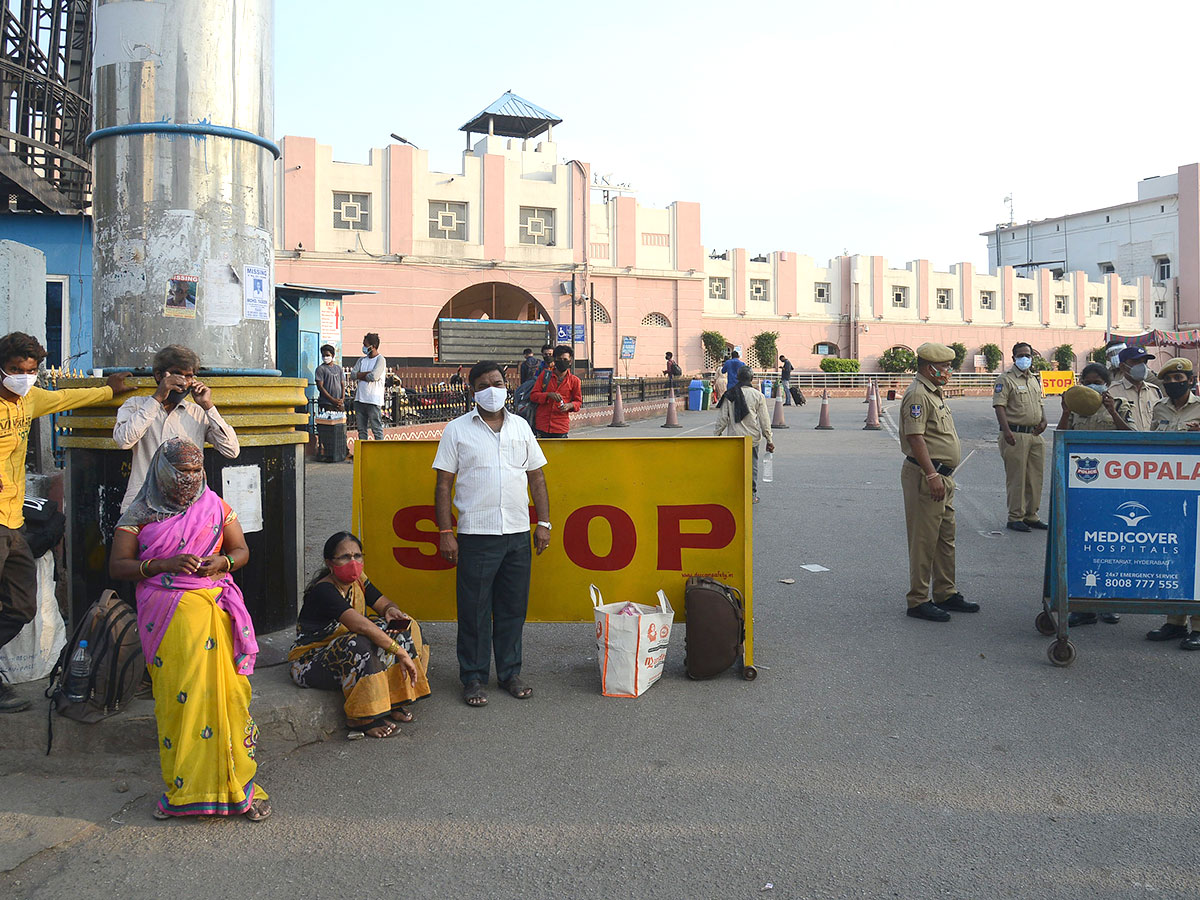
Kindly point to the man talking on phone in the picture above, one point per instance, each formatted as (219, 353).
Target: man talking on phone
(181, 406)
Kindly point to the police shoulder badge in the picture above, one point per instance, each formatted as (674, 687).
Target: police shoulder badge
(915, 410)
(999, 386)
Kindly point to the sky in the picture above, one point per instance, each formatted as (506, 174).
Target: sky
(884, 128)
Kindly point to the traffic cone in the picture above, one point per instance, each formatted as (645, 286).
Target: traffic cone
(823, 423)
(672, 413)
(777, 417)
(618, 412)
(867, 399)
(872, 415)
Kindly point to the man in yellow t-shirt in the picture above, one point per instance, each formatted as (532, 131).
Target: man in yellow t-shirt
(20, 404)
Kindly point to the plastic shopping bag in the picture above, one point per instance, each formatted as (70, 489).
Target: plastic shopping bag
(33, 652)
(631, 649)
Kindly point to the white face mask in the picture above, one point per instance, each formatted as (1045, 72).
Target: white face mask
(327, 359)
(1023, 362)
(20, 383)
(491, 399)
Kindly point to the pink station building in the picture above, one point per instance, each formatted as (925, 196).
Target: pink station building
(517, 234)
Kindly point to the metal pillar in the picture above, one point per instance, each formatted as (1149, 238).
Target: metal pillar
(183, 164)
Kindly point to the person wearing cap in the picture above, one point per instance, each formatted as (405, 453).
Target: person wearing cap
(1178, 411)
(931, 451)
(1017, 400)
(1133, 387)
(1090, 406)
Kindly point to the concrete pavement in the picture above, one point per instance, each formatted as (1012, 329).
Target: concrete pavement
(875, 756)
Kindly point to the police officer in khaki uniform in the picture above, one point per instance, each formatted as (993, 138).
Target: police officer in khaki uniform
(1131, 385)
(1178, 411)
(1017, 401)
(930, 447)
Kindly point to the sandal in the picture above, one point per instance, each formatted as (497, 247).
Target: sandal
(402, 714)
(474, 694)
(517, 688)
(358, 732)
(259, 810)
(159, 813)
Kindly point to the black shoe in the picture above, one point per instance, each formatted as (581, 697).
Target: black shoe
(929, 612)
(1076, 619)
(1110, 618)
(9, 701)
(1038, 524)
(957, 603)
(1018, 525)
(1167, 632)
(1191, 642)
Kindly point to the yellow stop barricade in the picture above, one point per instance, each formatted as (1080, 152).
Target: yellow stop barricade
(630, 515)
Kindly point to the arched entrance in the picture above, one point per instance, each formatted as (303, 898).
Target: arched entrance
(493, 320)
(494, 300)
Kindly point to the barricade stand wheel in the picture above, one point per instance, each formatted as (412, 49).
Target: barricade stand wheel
(1044, 623)
(1061, 653)
(749, 673)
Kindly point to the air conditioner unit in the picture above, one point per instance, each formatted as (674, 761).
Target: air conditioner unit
(564, 287)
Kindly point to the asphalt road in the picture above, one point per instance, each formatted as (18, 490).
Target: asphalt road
(875, 756)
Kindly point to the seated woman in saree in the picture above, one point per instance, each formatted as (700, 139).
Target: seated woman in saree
(179, 541)
(374, 656)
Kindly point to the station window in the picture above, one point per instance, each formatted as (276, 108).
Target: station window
(821, 292)
(447, 220)
(1160, 309)
(987, 299)
(825, 349)
(1095, 306)
(760, 289)
(600, 315)
(1129, 308)
(351, 212)
(945, 298)
(656, 320)
(1060, 303)
(1025, 302)
(899, 296)
(1162, 268)
(537, 226)
(718, 288)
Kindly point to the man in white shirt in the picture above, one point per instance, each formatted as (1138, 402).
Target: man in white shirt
(369, 373)
(144, 423)
(498, 465)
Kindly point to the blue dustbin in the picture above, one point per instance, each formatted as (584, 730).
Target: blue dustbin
(695, 394)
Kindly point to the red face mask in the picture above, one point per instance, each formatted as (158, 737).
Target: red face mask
(348, 573)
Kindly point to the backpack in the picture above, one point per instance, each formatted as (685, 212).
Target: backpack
(716, 627)
(110, 628)
(523, 404)
(673, 368)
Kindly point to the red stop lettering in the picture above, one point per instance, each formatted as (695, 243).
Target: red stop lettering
(404, 524)
(673, 540)
(579, 549)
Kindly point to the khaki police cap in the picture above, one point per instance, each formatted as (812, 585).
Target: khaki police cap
(1178, 364)
(935, 353)
(1082, 400)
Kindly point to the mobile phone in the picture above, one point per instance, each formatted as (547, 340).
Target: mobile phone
(399, 624)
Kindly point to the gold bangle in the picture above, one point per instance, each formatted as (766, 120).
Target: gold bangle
(142, 568)
(395, 649)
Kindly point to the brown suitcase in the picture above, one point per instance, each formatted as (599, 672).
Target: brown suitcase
(716, 627)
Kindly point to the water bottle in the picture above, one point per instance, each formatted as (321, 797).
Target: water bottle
(78, 672)
(768, 467)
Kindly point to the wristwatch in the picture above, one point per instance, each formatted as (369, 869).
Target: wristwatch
(546, 525)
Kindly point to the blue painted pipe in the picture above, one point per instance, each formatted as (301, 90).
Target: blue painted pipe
(193, 128)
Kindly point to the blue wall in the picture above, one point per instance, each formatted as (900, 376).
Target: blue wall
(67, 243)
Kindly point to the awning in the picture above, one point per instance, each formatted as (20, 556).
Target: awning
(1189, 339)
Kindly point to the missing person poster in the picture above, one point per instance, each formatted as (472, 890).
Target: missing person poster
(181, 297)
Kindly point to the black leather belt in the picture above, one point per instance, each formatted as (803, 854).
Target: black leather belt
(1022, 429)
(942, 468)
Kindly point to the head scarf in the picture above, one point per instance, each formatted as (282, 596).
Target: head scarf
(167, 491)
(741, 409)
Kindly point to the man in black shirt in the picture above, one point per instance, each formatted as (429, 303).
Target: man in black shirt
(785, 379)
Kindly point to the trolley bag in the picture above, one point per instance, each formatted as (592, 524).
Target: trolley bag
(797, 396)
(631, 649)
(716, 627)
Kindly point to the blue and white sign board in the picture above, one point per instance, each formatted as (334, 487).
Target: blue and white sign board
(628, 345)
(564, 334)
(1131, 521)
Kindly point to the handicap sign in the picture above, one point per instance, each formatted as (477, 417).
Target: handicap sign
(1131, 523)
(564, 334)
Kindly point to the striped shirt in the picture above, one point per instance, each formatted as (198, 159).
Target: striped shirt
(491, 487)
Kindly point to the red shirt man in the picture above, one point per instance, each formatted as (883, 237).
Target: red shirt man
(557, 394)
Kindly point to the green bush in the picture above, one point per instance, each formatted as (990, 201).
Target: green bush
(898, 359)
(1099, 355)
(714, 342)
(993, 356)
(960, 354)
(1064, 357)
(833, 364)
(1040, 364)
(766, 348)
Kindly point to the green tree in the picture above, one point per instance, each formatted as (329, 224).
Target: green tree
(898, 359)
(1064, 357)
(714, 343)
(960, 354)
(1099, 355)
(834, 364)
(1040, 363)
(992, 355)
(766, 348)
